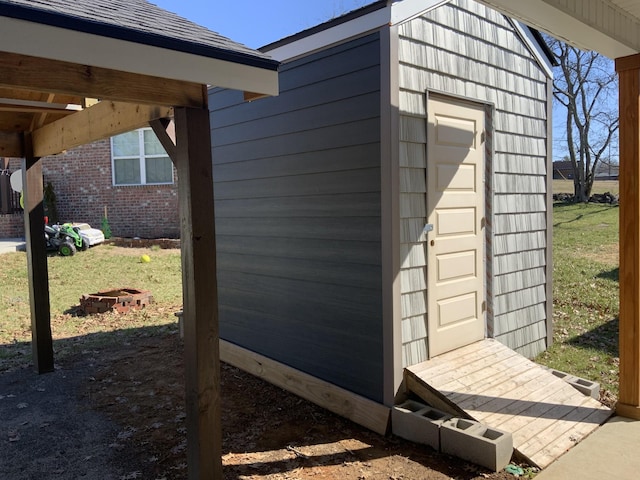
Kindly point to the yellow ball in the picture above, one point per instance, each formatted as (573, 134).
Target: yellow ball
(145, 258)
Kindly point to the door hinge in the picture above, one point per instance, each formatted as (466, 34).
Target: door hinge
(482, 136)
(484, 306)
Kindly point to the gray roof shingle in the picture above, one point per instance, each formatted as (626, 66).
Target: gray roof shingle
(138, 21)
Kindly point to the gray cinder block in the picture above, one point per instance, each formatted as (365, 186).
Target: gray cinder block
(477, 443)
(418, 423)
(584, 386)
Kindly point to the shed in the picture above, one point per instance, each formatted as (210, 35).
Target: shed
(392, 203)
(72, 72)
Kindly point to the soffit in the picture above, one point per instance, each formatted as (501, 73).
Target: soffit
(610, 27)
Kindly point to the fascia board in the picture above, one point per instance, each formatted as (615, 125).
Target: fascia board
(44, 41)
(533, 45)
(409, 9)
(332, 36)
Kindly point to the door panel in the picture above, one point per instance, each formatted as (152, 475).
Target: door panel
(455, 207)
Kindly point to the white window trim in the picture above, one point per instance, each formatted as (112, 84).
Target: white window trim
(141, 158)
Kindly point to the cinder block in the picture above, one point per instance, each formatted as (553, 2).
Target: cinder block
(477, 443)
(418, 423)
(584, 386)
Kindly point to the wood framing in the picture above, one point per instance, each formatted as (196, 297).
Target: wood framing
(102, 120)
(11, 145)
(42, 343)
(629, 278)
(358, 409)
(165, 130)
(199, 293)
(46, 75)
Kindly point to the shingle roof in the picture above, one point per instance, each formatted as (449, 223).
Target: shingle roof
(137, 21)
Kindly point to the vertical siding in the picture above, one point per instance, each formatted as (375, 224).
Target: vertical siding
(466, 49)
(297, 189)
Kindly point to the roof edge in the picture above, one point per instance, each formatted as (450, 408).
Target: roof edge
(334, 22)
(69, 22)
(535, 43)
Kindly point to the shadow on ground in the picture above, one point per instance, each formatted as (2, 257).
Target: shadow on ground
(613, 274)
(603, 338)
(115, 405)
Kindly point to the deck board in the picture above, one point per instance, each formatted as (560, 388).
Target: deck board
(498, 387)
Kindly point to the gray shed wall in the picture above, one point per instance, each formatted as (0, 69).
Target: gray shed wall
(297, 191)
(466, 49)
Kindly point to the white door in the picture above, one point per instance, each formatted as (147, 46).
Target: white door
(455, 209)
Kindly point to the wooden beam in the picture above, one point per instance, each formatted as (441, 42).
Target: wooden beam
(38, 120)
(27, 106)
(11, 145)
(165, 130)
(52, 76)
(102, 120)
(347, 404)
(41, 339)
(251, 96)
(629, 278)
(199, 293)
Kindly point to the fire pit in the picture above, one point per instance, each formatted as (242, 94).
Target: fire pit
(120, 299)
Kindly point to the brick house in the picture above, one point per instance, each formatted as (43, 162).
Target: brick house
(129, 175)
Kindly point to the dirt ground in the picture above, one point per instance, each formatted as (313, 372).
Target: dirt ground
(118, 414)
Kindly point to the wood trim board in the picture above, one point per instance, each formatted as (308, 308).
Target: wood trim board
(360, 410)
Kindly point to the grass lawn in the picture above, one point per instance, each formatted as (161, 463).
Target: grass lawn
(585, 293)
(100, 268)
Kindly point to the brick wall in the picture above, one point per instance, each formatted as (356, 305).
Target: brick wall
(82, 182)
(12, 226)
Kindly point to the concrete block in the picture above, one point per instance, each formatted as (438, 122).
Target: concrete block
(417, 422)
(477, 443)
(584, 386)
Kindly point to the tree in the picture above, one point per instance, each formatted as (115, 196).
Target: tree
(586, 85)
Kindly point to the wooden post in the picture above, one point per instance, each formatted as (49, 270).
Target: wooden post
(199, 292)
(41, 340)
(628, 69)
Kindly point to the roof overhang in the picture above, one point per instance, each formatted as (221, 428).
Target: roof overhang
(39, 40)
(610, 27)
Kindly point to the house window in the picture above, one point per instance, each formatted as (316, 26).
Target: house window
(138, 158)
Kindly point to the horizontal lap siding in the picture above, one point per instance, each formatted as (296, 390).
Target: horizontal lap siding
(466, 49)
(297, 188)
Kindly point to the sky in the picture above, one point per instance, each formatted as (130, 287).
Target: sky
(256, 23)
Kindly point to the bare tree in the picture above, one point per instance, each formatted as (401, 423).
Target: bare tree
(586, 85)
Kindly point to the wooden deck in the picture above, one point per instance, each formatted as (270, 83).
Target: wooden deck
(492, 384)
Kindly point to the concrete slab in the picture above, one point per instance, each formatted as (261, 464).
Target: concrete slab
(12, 245)
(609, 452)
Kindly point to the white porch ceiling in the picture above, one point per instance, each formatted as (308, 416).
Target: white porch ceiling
(610, 27)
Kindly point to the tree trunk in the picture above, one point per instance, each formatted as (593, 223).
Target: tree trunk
(581, 192)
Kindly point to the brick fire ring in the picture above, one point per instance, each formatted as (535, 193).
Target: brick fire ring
(121, 300)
